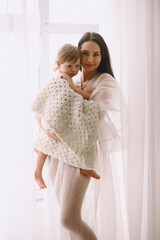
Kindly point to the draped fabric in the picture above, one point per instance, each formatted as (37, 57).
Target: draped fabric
(19, 33)
(112, 142)
(140, 50)
(104, 214)
(134, 40)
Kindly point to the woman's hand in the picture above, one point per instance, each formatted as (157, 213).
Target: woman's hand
(47, 131)
(51, 134)
(90, 173)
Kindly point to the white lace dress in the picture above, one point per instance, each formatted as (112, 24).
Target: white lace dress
(101, 207)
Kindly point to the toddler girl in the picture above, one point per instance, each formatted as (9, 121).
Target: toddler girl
(68, 121)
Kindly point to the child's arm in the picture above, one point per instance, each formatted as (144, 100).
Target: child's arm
(38, 120)
(85, 94)
(47, 131)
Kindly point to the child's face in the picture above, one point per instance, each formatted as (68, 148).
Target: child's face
(70, 68)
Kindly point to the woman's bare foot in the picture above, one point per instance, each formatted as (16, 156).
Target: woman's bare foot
(39, 180)
(90, 173)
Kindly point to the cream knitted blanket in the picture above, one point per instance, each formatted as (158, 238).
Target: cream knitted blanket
(72, 119)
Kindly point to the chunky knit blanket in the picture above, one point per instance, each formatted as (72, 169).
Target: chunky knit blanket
(72, 119)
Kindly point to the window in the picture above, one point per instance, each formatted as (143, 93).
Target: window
(57, 29)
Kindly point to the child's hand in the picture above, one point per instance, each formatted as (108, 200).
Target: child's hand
(90, 173)
(66, 77)
(63, 75)
(88, 93)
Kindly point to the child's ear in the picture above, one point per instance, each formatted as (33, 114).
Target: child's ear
(58, 64)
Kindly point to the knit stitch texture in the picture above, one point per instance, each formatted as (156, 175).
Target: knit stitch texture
(72, 119)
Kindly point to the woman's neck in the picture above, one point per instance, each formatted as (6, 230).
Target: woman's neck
(86, 76)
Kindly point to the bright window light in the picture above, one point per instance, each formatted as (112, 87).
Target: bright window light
(74, 12)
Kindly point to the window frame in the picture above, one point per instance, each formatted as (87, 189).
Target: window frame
(47, 28)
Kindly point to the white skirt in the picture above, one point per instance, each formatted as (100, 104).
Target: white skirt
(101, 206)
(104, 199)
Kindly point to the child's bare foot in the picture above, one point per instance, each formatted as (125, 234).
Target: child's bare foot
(39, 180)
(90, 173)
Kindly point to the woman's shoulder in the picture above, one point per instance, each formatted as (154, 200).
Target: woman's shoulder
(105, 79)
(105, 76)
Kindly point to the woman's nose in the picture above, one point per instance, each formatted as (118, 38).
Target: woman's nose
(90, 58)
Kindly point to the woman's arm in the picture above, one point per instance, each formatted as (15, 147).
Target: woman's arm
(47, 131)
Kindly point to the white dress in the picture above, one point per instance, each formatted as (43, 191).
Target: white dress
(101, 208)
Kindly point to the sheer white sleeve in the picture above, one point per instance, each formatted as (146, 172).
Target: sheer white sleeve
(112, 113)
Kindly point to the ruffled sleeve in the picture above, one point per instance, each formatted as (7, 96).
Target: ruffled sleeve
(112, 126)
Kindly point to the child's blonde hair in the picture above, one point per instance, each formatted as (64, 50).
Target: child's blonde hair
(67, 53)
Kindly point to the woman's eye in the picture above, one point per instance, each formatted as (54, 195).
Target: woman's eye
(84, 53)
(96, 54)
(77, 66)
(69, 66)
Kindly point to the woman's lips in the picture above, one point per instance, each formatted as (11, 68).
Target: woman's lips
(89, 65)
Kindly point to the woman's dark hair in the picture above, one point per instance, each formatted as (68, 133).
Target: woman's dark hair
(105, 65)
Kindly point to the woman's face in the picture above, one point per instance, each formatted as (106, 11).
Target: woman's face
(90, 56)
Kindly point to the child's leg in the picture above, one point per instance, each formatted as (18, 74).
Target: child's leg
(41, 157)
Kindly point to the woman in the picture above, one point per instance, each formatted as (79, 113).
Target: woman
(74, 189)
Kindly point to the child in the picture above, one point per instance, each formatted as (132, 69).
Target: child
(57, 106)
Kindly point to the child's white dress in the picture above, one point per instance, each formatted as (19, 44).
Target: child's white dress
(101, 208)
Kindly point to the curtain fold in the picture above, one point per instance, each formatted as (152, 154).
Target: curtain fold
(19, 36)
(139, 24)
(140, 37)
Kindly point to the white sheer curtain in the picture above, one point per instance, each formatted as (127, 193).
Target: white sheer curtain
(19, 31)
(137, 24)
(140, 71)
